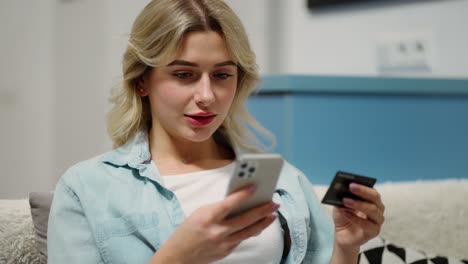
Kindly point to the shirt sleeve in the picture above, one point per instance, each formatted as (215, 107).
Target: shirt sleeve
(69, 236)
(320, 244)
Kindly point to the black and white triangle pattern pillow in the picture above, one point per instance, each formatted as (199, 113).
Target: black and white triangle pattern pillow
(379, 251)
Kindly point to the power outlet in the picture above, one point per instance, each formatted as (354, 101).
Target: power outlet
(410, 52)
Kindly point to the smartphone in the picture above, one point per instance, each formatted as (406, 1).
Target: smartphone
(263, 171)
(339, 188)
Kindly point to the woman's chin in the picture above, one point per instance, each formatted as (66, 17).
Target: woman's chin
(199, 136)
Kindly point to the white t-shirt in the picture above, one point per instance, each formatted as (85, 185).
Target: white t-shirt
(204, 187)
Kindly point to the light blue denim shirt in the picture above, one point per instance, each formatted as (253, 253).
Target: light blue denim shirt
(115, 209)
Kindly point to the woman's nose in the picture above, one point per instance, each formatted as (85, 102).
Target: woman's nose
(204, 92)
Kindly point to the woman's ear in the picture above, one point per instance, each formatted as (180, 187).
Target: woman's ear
(143, 86)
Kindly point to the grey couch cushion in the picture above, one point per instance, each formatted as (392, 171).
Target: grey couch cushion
(40, 206)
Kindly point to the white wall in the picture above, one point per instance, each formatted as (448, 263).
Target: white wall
(343, 40)
(26, 97)
(61, 57)
(81, 85)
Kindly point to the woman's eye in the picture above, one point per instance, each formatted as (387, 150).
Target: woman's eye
(182, 75)
(222, 76)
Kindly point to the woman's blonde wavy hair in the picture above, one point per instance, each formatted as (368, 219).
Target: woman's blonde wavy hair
(155, 39)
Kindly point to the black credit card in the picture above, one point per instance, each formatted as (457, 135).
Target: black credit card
(339, 188)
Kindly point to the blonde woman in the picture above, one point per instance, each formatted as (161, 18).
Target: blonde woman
(177, 123)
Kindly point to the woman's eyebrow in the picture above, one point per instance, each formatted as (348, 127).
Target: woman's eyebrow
(183, 63)
(188, 63)
(226, 63)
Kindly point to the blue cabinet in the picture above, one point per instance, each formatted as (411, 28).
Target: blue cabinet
(394, 129)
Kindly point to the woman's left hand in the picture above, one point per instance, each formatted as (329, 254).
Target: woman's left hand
(359, 221)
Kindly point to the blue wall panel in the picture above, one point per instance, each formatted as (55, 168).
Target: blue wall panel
(390, 136)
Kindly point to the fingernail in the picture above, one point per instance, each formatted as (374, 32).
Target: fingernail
(251, 188)
(348, 202)
(275, 206)
(273, 216)
(353, 187)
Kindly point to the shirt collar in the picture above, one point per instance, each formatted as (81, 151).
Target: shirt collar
(133, 153)
(136, 151)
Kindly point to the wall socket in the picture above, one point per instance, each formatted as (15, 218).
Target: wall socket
(405, 52)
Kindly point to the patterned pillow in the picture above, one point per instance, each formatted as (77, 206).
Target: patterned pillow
(379, 251)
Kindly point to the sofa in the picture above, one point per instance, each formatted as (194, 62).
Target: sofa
(426, 222)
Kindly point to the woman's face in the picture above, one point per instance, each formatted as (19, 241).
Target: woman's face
(191, 96)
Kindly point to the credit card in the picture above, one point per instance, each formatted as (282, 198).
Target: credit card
(339, 188)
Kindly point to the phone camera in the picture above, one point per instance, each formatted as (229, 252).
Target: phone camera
(252, 169)
(244, 165)
(241, 174)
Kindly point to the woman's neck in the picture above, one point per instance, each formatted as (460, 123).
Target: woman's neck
(175, 156)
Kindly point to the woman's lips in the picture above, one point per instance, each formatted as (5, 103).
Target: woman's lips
(200, 120)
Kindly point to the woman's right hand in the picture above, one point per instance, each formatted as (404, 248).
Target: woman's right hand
(208, 235)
